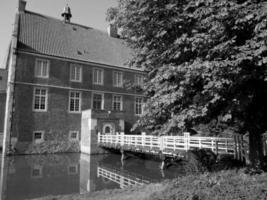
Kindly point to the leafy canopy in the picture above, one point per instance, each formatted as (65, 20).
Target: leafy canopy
(206, 61)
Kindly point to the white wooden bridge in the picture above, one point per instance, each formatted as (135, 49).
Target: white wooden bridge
(123, 179)
(172, 146)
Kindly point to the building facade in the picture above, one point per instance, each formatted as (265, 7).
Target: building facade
(3, 81)
(57, 70)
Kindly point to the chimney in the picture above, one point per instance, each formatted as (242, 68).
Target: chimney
(112, 30)
(22, 6)
(66, 13)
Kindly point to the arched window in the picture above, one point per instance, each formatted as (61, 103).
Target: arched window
(107, 129)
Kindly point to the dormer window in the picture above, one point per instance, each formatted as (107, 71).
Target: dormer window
(41, 68)
(76, 73)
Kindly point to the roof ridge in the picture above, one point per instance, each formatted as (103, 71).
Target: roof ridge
(70, 23)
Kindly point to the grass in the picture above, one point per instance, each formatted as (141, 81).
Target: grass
(229, 185)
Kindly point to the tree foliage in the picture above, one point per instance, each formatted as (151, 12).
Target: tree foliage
(206, 62)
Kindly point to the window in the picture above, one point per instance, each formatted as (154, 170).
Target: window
(41, 68)
(98, 75)
(38, 136)
(75, 101)
(72, 169)
(76, 73)
(108, 128)
(40, 99)
(138, 105)
(98, 101)
(139, 80)
(117, 102)
(117, 79)
(74, 135)
(37, 171)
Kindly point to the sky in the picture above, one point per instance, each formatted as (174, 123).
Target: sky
(90, 13)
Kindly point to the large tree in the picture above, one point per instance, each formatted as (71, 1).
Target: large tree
(206, 62)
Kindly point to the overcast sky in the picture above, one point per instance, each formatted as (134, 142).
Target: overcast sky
(86, 12)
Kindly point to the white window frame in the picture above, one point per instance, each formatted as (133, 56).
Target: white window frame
(77, 76)
(102, 102)
(47, 70)
(38, 141)
(139, 80)
(121, 102)
(77, 136)
(142, 106)
(117, 82)
(40, 95)
(80, 101)
(98, 82)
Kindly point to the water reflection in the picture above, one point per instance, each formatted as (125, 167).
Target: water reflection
(28, 177)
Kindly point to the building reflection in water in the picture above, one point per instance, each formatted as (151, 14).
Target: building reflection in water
(28, 177)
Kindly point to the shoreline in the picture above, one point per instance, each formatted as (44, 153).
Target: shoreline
(232, 184)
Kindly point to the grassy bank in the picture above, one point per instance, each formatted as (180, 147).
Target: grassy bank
(230, 185)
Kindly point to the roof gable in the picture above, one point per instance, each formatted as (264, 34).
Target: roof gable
(49, 36)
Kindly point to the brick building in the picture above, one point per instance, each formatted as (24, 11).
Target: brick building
(57, 70)
(3, 80)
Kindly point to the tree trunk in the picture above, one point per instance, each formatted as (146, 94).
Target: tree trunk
(255, 149)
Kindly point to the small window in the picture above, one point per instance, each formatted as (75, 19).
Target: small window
(139, 80)
(72, 169)
(98, 101)
(38, 136)
(41, 68)
(37, 171)
(40, 99)
(138, 105)
(117, 79)
(75, 102)
(98, 75)
(74, 135)
(117, 102)
(76, 73)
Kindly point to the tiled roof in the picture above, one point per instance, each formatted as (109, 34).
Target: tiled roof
(50, 36)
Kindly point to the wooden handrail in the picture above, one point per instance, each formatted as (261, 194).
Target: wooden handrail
(167, 144)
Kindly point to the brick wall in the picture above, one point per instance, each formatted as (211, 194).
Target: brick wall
(3, 82)
(57, 121)
(2, 111)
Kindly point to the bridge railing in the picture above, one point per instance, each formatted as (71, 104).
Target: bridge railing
(172, 144)
(122, 179)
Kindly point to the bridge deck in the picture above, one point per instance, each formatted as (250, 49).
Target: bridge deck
(170, 145)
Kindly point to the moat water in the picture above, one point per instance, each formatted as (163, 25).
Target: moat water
(36, 176)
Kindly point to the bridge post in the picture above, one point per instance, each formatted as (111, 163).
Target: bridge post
(216, 147)
(98, 138)
(186, 141)
(161, 143)
(122, 155)
(163, 160)
(122, 139)
(143, 139)
(264, 141)
(117, 139)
